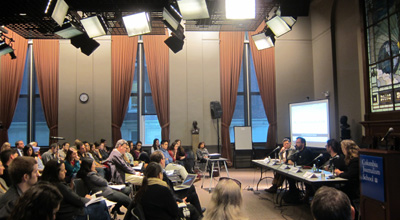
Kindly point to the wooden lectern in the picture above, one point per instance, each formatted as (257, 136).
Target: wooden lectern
(379, 201)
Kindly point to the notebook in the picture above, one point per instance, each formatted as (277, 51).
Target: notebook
(187, 183)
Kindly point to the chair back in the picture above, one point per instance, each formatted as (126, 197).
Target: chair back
(80, 187)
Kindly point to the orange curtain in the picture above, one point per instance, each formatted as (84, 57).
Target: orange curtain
(11, 74)
(123, 59)
(157, 60)
(231, 53)
(264, 64)
(46, 54)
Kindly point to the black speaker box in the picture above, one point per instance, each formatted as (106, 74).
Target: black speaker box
(295, 8)
(216, 109)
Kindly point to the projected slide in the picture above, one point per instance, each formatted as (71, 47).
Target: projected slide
(310, 120)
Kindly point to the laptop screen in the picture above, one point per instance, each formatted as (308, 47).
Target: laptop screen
(189, 180)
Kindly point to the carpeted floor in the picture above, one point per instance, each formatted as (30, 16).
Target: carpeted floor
(256, 204)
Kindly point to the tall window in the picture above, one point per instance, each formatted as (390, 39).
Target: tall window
(141, 122)
(383, 39)
(249, 109)
(29, 123)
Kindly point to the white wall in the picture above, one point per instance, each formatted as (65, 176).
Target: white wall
(79, 73)
(194, 83)
(294, 72)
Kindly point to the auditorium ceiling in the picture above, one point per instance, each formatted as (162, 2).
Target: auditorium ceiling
(27, 17)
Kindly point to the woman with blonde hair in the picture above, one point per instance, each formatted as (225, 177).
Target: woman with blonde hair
(226, 201)
(352, 172)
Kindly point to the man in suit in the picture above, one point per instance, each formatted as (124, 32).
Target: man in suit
(286, 151)
(19, 145)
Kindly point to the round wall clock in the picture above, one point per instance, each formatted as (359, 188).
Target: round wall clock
(84, 97)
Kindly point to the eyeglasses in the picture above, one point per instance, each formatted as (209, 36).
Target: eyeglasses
(234, 180)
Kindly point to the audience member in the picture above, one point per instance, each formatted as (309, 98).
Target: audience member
(24, 174)
(286, 151)
(331, 204)
(181, 154)
(51, 153)
(5, 146)
(226, 201)
(155, 196)
(97, 183)
(190, 194)
(3, 185)
(41, 201)
(202, 153)
(63, 152)
(104, 143)
(336, 159)
(119, 167)
(72, 164)
(72, 206)
(169, 165)
(352, 186)
(7, 157)
(103, 151)
(19, 145)
(29, 152)
(83, 153)
(173, 150)
(94, 150)
(155, 146)
(137, 150)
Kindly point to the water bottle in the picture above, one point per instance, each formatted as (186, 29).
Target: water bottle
(314, 168)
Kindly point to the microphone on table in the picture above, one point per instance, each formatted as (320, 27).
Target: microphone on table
(277, 148)
(319, 156)
(387, 133)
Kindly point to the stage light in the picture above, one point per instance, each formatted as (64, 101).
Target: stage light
(59, 12)
(289, 20)
(278, 26)
(240, 9)
(95, 26)
(12, 54)
(193, 9)
(5, 48)
(137, 24)
(171, 18)
(264, 40)
(174, 43)
(87, 45)
(68, 30)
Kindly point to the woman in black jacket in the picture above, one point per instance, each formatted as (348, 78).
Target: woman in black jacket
(96, 183)
(352, 187)
(72, 206)
(155, 196)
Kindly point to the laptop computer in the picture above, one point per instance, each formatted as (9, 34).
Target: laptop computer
(187, 183)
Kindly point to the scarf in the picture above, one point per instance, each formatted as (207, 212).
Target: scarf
(157, 181)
